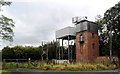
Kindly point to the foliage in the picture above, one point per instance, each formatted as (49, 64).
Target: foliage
(5, 72)
(25, 52)
(5, 3)
(9, 65)
(59, 67)
(35, 53)
(20, 52)
(6, 24)
(103, 36)
(110, 22)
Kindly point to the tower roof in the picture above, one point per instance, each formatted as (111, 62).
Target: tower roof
(86, 25)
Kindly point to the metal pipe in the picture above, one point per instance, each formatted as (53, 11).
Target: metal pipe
(71, 51)
(59, 49)
(47, 53)
(68, 48)
(56, 48)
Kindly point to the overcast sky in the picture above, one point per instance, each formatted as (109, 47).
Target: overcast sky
(37, 20)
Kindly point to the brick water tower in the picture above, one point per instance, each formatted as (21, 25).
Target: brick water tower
(87, 41)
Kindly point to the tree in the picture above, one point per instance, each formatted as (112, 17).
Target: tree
(111, 35)
(103, 36)
(21, 52)
(7, 53)
(112, 19)
(6, 24)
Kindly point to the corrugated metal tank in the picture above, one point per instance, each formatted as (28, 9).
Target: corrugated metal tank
(65, 32)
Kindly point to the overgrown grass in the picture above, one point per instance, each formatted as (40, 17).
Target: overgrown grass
(4, 72)
(58, 67)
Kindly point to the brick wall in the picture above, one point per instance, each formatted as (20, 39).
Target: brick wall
(84, 51)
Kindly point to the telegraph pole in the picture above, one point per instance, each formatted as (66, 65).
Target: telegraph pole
(110, 43)
(47, 53)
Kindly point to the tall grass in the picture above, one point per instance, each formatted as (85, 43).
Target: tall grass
(58, 67)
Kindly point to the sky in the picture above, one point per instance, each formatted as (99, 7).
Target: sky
(37, 20)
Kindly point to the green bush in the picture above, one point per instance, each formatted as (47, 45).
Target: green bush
(10, 65)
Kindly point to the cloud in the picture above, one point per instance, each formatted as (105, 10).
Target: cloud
(37, 20)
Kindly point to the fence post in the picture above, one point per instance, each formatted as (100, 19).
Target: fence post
(29, 61)
(3, 63)
(17, 64)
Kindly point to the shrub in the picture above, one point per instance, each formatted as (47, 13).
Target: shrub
(10, 65)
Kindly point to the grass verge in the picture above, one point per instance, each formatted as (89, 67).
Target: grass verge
(58, 67)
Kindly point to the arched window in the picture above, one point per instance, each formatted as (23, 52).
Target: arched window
(81, 37)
